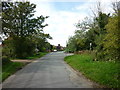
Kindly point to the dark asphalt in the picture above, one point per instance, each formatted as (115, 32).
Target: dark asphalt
(49, 71)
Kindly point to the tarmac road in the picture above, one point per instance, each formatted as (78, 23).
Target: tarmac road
(49, 71)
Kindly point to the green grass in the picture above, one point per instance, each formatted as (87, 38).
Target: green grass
(40, 54)
(10, 68)
(104, 73)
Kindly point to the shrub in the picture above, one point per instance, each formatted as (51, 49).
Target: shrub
(5, 60)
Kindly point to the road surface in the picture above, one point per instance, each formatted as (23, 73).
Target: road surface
(49, 71)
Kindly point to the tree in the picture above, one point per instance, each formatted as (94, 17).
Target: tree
(102, 21)
(18, 19)
(90, 38)
(41, 41)
(19, 24)
(79, 40)
(102, 32)
(112, 39)
(71, 45)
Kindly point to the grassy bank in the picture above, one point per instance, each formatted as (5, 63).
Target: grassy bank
(104, 73)
(11, 67)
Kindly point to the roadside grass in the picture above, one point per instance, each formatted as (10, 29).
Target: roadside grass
(35, 56)
(10, 68)
(102, 72)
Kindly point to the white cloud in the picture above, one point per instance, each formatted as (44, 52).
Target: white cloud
(61, 26)
(61, 23)
(91, 5)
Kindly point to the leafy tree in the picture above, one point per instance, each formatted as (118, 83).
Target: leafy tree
(112, 39)
(103, 32)
(19, 23)
(102, 20)
(7, 49)
(90, 38)
(108, 35)
(71, 45)
(18, 19)
(79, 40)
(41, 40)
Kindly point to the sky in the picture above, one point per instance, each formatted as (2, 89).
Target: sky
(64, 14)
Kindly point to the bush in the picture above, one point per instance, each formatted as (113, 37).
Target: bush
(23, 47)
(8, 49)
(5, 60)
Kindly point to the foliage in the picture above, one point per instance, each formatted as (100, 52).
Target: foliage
(24, 32)
(112, 39)
(24, 49)
(38, 55)
(77, 42)
(17, 19)
(71, 45)
(90, 38)
(102, 20)
(104, 73)
(41, 42)
(7, 49)
(5, 60)
(103, 32)
(100, 34)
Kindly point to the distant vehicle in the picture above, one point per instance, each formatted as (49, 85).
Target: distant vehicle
(55, 50)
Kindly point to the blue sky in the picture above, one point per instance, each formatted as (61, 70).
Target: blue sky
(66, 6)
(63, 16)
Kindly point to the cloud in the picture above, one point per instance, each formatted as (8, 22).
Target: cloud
(61, 26)
(61, 22)
(91, 5)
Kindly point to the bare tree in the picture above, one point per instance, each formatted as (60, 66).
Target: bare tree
(97, 9)
(116, 6)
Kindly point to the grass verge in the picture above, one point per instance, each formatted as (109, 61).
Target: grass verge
(40, 54)
(10, 68)
(102, 72)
